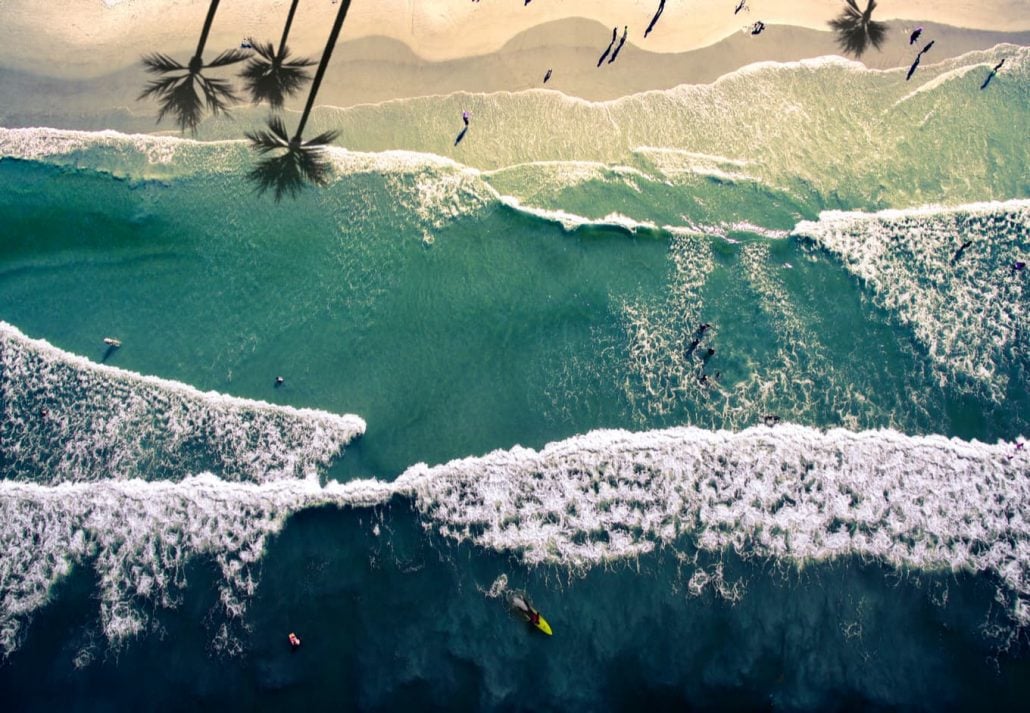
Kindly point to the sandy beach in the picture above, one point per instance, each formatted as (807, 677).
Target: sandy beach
(87, 36)
(77, 66)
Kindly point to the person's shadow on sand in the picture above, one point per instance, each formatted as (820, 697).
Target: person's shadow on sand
(461, 136)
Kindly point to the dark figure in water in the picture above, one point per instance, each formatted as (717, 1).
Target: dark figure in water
(912, 69)
(690, 348)
(991, 75)
(703, 328)
(547, 76)
(915, 35)
(618, 47)
(757, 28)
(962, 249)
(708, 354)
(742, 5)
(1018, 266)
(654, 20)
(604, 55)
(770, 419)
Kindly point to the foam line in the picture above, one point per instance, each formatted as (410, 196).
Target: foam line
(66, 418)
(967, 307)
(791, 493)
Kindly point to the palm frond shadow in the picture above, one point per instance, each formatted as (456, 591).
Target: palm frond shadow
(856, 30)
(272, 77)
(300, 164)
(185, 91)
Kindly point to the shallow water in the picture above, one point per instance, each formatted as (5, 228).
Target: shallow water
(167, 508)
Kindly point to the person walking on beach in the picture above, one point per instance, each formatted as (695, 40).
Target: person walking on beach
(757, 28)
(465, 117)
(604, 55)
(654, 20)
(915, 35)
(742, 5)
(618, 48)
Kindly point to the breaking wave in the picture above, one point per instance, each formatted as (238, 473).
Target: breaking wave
(967, 306)
(67, 419)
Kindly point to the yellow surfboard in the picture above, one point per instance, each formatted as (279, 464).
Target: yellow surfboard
(542, 625)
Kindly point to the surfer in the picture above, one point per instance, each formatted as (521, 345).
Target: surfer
(618, 48)
(962, 249)
(604, 55)
(654, 20)
(531, 615)
(915, 35)
(547, 76)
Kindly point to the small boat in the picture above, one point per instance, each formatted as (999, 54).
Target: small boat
(112, 342)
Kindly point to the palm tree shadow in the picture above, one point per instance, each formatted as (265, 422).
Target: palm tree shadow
(461, 136)
(183, 90)
(301, 162)
(856, 30)
(270, 76)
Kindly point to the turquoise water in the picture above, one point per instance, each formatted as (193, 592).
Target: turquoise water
(535, 285)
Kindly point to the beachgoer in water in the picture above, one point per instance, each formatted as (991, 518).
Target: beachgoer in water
(915, 35)
(962, 249)
(771, 419)
(618, 47)
(294, 641)
(111, 342)
(757, 28)
(709, 354)
(279, 381)
(654, 20)
(547, 76)
(1018, 265)
(604, 55)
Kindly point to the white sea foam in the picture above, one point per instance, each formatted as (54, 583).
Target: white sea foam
(970, 312)
(139, 536)
(66, 418)
(790, 493)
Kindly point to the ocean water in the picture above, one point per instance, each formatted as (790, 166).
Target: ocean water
(495, 381)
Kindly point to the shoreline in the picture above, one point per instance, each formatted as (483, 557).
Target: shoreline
(374, 70)
(82, 36)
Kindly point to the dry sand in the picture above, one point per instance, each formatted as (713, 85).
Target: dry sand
(91, 37)
(75, 64)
